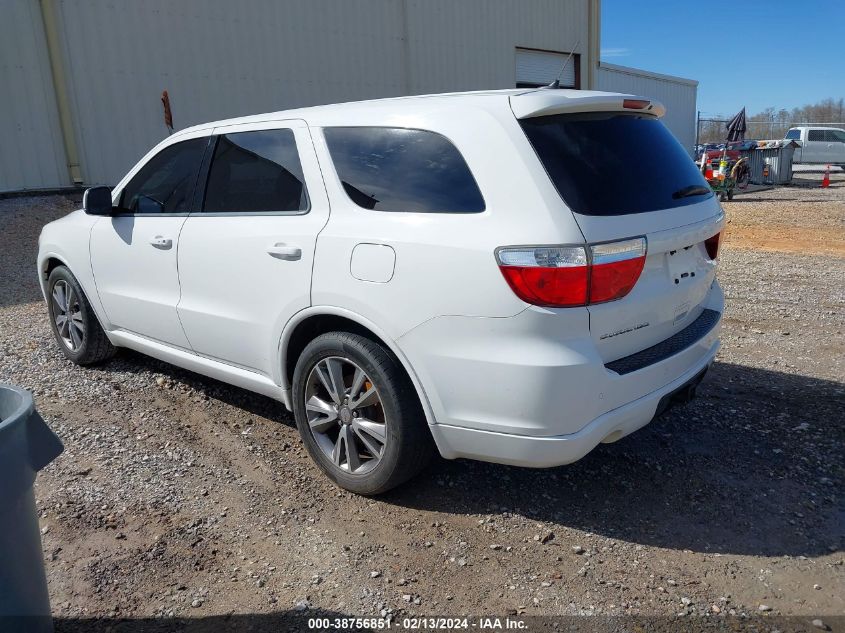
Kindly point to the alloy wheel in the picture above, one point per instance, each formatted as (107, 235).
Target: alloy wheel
(67, 314)
(345, 415)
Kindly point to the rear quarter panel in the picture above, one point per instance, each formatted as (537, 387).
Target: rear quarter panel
(445, 263)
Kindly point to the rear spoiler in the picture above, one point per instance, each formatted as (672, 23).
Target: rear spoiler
(546, 101)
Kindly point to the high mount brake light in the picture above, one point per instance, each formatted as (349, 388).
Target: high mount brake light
(570, 276)
(712, 245)
(635, 104)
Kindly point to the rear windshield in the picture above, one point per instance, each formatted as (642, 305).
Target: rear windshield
(608, 163)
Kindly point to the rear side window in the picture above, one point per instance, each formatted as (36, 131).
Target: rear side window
(607, 163)
(165, 184)
(396, 169)
(794, 134)
(256, 171)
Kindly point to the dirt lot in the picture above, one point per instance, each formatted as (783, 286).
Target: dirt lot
(802, 219)
(181, 496)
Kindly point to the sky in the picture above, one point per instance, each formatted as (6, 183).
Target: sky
(777, 53)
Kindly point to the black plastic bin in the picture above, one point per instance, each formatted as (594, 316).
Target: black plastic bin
(26, 446)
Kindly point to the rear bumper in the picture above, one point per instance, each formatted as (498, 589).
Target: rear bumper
(532, 390)
(545, 452)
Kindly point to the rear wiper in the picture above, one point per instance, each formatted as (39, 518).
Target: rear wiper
(692, 190)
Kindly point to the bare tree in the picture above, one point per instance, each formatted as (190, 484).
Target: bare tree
(772, 123)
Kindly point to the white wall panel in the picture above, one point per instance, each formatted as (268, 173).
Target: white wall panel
(471, 44)
(677, 94)
(216, 59)
(220, 58)
(31, 149)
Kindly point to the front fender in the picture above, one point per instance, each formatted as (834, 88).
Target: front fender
(68, 241)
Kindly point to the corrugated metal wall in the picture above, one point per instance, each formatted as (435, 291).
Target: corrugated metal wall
(471, 44)
(678, 95)
(219, 58)
(31, 149)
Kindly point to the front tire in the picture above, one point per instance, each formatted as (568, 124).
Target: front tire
(75, 326)
(358, 413)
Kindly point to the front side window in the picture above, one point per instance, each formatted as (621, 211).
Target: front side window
(397, 169)
(254, 172)
(815, 135)
(166, 182)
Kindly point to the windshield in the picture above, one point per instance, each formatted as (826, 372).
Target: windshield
(612, 163)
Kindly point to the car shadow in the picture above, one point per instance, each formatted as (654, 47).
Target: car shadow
(753, 466)
(132, 362)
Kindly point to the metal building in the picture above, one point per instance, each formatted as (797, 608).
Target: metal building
(677, 94)
(83, 78)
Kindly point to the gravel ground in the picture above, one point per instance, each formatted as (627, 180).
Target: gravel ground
(178, 495)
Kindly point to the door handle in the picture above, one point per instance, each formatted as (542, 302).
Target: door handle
(159, 241)
(280, 250)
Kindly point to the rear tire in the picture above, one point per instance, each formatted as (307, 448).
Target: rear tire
(365, 444)
(75, 326)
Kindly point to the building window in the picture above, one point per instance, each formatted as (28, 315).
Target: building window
(537, 68)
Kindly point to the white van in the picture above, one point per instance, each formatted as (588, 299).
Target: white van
(512, 276)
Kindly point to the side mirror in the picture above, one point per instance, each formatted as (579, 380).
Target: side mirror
(97, 201)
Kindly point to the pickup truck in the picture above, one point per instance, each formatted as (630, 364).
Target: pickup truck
(818, 145)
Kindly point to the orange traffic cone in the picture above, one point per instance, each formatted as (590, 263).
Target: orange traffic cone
(826, 179)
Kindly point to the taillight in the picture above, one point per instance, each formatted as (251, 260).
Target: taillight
(712, 245)
(569, 276)
(554, 276)
(615, 269)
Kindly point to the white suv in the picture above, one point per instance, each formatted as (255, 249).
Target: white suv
(512, 276)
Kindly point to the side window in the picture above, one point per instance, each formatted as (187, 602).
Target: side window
(837, 135)
(815, 135)
(256, 171)
(794, 134)
(397, 169)
(165, 183)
